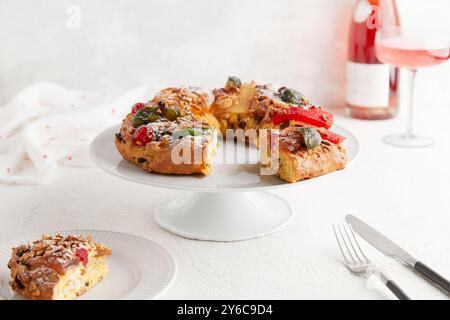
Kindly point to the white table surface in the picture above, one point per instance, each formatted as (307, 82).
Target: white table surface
(404, 193)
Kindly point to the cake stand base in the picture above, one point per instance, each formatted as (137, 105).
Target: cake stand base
(227, 216)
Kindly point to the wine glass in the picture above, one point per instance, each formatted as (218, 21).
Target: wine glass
(411, 49)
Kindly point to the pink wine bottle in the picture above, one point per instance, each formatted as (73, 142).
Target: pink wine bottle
(372, 87)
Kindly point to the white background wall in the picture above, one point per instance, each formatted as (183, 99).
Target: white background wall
(121, 44)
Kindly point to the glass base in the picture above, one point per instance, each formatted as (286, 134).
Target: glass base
(408, 141)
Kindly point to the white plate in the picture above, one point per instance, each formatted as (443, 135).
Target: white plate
(138, 268)
(224, 177)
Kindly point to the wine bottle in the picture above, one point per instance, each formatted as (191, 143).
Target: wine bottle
(372, 87)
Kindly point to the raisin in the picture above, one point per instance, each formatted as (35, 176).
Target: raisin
(141, 160)
(284, 125)
(118, 137)
(19, 283)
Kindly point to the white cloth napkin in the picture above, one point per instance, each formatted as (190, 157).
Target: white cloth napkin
(47, 125)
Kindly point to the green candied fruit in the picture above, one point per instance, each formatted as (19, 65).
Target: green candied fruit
(197, 131)
(311, 137)
(144, 116)
(291, 96)
(171, 113)
(180, 134)
(190, 132)
(234, 81)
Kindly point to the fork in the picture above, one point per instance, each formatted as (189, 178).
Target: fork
(358, 263)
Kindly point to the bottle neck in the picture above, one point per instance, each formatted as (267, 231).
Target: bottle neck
(368, 17)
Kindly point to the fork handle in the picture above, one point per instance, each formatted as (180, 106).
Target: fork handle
(395, 289)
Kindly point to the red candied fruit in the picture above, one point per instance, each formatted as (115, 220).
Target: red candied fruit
(82, 254)
(137, 106)
(142, 136)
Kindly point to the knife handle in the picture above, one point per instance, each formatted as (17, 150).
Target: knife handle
(432, 275)
(395, 289)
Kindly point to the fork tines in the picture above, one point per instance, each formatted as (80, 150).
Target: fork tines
(347, 243)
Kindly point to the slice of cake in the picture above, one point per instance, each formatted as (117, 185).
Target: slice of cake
(304, 154)
(250, 106)
(171, 134)
(307, 148)
(57, 267)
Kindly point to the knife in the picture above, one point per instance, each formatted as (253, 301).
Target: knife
(390, 249)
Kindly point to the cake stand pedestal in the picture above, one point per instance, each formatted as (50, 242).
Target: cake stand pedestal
(223, 216)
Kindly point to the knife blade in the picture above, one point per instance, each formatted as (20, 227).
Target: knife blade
(379, 241)
(391, 249)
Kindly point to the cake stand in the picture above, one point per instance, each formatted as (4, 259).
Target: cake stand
(230, 204)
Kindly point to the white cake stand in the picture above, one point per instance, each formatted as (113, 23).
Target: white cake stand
(231, 204)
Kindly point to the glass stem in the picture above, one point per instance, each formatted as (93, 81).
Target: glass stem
(409, 126)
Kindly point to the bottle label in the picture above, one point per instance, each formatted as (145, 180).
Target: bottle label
(368, 84)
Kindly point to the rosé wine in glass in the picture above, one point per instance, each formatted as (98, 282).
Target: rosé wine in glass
(411, 49)
(398, 52)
